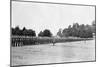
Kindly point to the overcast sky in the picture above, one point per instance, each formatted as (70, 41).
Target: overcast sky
(40, 16)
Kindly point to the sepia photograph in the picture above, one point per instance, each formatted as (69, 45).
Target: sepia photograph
(51, 33)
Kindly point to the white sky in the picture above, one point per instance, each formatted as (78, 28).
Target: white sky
(40, 16)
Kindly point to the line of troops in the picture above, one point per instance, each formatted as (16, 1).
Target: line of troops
(23, 40)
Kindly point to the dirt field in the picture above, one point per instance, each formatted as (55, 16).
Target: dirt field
(47, 53)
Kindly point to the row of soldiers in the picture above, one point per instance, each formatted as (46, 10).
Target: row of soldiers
(27, 41)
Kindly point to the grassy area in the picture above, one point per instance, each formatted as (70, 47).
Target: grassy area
(46, 53)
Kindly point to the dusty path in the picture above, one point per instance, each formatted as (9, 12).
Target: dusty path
(61, 52)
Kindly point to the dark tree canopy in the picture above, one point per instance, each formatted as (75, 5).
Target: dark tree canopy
(24, 28)
(16, 31)
(40, 34)
(45, 33)
(23, 32)
(76, 30)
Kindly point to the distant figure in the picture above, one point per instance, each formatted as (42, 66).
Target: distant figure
(85, 41)
(54, 41)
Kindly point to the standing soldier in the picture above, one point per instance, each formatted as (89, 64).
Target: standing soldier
(54, 41)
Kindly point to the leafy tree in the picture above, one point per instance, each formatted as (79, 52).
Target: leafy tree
(75, 25)
(47, 33)
(40, 34)
(83, 31)
(93, 27)
(66, 32)
(24, 28)
(59, 33)
(23, 32)
(13, 31)
(29, 32)
(93, 23)
(17, 31)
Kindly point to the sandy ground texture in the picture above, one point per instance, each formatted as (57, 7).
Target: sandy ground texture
(47, 53)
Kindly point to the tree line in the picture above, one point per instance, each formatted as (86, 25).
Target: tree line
(29, 32)
(23, 32)
(75, 30)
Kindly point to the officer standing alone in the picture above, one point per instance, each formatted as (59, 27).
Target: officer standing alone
(54, 41)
